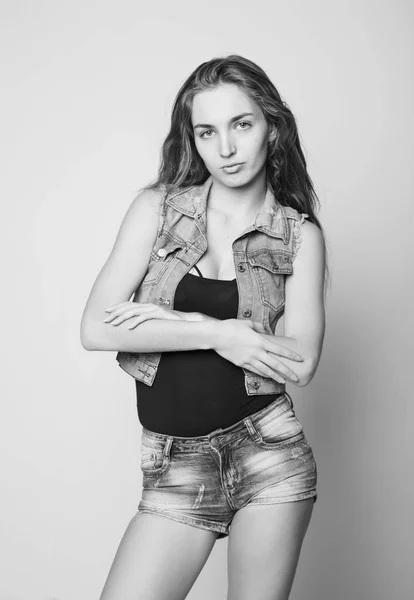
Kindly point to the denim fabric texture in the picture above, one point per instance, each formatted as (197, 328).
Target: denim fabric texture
(263, 256)
(203, 481)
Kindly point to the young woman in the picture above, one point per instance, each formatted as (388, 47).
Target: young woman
(223, 243)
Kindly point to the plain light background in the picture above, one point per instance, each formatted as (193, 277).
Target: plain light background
(87, 89)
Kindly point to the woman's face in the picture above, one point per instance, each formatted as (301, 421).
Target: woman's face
(230, 128)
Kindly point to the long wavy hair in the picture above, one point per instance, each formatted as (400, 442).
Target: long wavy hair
(181, 166)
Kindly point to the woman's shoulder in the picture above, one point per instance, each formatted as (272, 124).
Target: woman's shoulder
(296, 220)
(163, 191)
(301, 228)
(151, 193)
(145, 207)
(291, 213)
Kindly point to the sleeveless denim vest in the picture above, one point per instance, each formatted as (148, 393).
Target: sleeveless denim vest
(263, 256)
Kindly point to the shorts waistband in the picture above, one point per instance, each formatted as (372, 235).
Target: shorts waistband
(220, 434)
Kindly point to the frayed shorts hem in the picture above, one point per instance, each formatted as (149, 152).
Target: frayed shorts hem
(200, 523)
(272, 500)
(223, 530)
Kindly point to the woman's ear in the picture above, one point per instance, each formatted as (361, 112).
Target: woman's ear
(272, 133)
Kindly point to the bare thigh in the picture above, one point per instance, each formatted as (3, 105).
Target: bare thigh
(264, 546)
(157, 559)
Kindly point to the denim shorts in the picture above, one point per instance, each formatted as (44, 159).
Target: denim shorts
(203, 481)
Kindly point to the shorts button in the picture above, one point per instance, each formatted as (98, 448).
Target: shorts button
(162, 252)
(255, 383)
(214, 442)
(247, 313)
(241, 267)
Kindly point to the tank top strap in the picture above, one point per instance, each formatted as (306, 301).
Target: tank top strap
(198, 270)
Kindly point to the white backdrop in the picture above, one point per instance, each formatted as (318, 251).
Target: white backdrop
(87, 89)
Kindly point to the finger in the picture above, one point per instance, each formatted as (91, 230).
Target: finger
(114, 306)
(258, 327)
(116, 312)
(126, 310)
(275, 364)
(138, 320)
(118, 317)
(110, 318)
(276, 348)
(123, 305)
(134, 323)
(262, 369)
(128, 314)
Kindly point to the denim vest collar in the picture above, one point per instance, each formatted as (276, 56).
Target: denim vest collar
(271, 219)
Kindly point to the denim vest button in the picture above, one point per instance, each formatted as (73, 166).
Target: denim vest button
(241, 267)
(256, 384)
(247, 313)
(162, 252)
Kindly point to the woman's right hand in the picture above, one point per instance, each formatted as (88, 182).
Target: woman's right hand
(239, 342)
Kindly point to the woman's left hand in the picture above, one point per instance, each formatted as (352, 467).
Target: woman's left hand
(139, 312)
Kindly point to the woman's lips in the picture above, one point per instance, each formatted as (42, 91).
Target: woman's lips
(233, 169)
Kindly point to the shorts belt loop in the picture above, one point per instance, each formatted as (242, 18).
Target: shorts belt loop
(251, 429)
(167, 446)
(290, 399)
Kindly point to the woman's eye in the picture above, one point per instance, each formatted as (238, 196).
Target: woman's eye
(208, 132)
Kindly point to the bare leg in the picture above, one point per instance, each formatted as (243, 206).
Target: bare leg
(264, 546)
(157, 559)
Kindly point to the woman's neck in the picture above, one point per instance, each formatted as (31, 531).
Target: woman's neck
(243, 202)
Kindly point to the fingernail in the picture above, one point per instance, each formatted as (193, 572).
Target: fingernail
(106, 320)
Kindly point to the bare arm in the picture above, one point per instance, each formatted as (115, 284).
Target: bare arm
(304, 305)
(162, 335)
(118, 279)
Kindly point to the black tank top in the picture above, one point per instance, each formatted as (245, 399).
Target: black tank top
(197, 391)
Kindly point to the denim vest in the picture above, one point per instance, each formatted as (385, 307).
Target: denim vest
(263, 255)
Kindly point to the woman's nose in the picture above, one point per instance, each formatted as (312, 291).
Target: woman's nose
(227, 147)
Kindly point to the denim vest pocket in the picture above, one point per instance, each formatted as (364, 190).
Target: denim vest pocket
(162, 255)
(269, 268)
